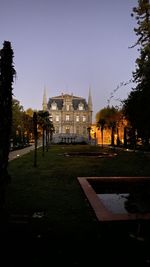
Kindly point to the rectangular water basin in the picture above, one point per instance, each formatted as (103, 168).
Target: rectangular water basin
(108, 196)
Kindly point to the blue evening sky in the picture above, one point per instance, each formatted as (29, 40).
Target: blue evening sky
(68, 46)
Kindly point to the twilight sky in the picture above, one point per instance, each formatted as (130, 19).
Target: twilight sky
(67, 46)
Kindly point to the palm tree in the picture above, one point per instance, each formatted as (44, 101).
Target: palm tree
(109, 117)
(46, 125)
(102, 123)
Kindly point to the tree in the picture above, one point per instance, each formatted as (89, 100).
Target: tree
(22, 125)
(101, 121)
(136, 106)
(17, 121)
(30, 112)
(108, 117)
(35, 137)
(46, 125)
(7, 73)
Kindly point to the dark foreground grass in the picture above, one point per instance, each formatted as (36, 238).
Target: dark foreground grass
(68, 232)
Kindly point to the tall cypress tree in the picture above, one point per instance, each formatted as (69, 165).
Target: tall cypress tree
(136, 106)
(7, 73)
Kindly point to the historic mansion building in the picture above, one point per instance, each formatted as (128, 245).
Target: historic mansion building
(71, 116)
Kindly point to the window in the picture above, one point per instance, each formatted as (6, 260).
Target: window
(77, 130)
(67, 107)
(84, 118)
(56, 130)
(54, 106)
(67, 117)
(80, 106)
(77, 118)
(67, 130)
(57, 117)
(50, 117)
(84, 130)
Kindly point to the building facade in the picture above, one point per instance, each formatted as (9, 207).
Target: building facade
(71, 116)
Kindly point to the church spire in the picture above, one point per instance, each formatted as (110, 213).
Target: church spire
(90, 106)
(44, 104)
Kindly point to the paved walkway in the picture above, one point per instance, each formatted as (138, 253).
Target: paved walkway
(20, 152)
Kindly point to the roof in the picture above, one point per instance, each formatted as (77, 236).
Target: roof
(75, 101)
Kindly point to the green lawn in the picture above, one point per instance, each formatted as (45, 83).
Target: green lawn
(69, 232)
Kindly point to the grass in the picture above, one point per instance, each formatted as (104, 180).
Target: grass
(69, 232)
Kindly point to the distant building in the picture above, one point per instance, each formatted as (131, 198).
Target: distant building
(71, 116)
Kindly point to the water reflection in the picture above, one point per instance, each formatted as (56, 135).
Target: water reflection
(115, 202)
(138, 202)
(126, 202)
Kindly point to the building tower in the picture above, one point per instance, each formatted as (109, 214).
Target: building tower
(44, 104)
(90, 106)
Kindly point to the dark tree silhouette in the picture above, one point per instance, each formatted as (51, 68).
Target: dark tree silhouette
(7, 73)
(136, 106)
(47, 127)
(101, 123)
(35, 137)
